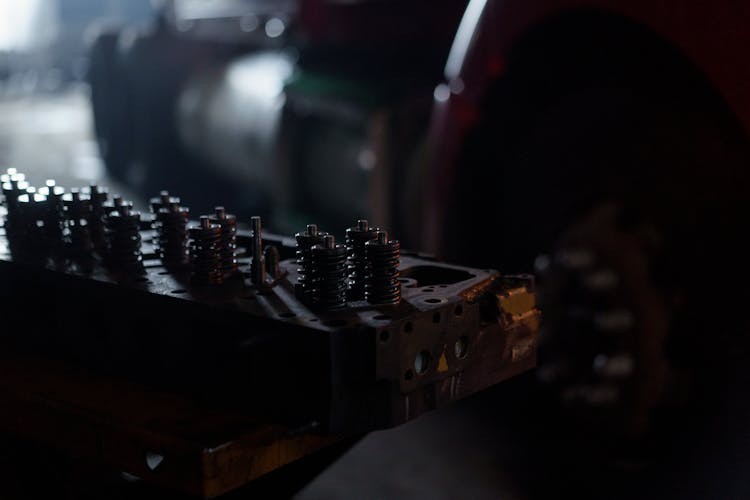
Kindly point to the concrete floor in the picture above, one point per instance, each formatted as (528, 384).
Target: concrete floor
(448, 454)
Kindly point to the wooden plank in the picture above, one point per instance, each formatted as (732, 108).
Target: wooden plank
(159, 437)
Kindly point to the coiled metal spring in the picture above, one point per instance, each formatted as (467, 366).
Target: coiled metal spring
(356, 238)
(382, 285)
(205, 242)
(329, 270)
(124, 239)
(305, 287)
(78, 241)
(172, 234)
(228, 243)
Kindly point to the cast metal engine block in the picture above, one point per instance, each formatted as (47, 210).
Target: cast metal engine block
(252, 346)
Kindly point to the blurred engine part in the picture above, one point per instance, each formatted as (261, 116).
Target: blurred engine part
(43, 42)
(275, 105)
(631, 124)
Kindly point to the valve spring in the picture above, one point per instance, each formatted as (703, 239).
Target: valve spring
(78, 238)
(329, 269)
(12, 178)
(77, 206)
(171, 229)
(98, 197)
(30, 240)
(53, 218)
(13, 187)
(205, 244)
(382, 285)
(356, 238)
(228, 242)
(304, 289)
(124, 240)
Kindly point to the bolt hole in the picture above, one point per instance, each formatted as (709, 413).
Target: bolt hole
(461, 347)
(436, 318)
(408, 327)
(422, 362)
(408, 375)
(164, 273)
(459, 310)
(443, 286)
(384, 336)
(428, 289)
(382, 317)
(313, 320)
(178, 291)
(287, 315)
(432, 301)
(408, 282)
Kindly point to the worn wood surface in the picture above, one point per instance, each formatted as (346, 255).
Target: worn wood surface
(159, 437)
